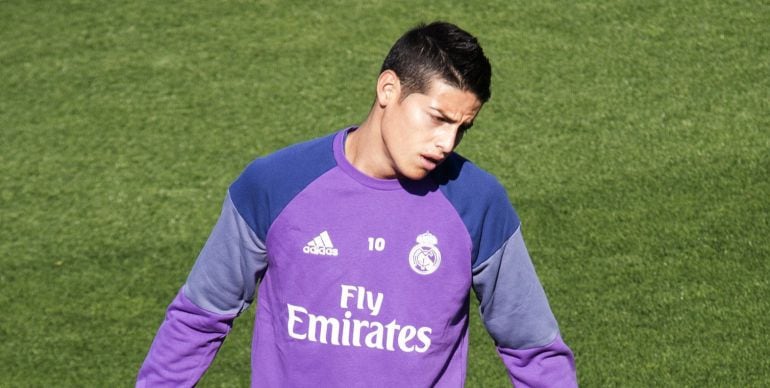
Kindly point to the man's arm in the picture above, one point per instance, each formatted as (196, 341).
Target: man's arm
(186, 343)
(220, 286)
(515, 311)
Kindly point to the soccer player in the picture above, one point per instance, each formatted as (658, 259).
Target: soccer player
(363, 246)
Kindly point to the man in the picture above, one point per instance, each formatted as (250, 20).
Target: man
(365, 244)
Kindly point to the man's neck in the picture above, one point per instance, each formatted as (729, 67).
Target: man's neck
(365, 150)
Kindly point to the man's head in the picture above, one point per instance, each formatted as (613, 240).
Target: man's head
(439, 50)
(432, 86)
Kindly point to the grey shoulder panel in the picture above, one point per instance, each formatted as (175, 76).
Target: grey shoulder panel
(224, 277)
(513, 304)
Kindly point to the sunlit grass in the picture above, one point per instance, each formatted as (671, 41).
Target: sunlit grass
(632, 137)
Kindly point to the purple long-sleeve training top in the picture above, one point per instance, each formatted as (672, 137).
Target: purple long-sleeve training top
(361, 281)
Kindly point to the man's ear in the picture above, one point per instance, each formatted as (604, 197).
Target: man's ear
(388, 88)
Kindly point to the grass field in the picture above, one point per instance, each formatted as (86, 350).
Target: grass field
(633, 137)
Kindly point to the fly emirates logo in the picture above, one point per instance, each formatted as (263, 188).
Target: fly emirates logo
(345, 331)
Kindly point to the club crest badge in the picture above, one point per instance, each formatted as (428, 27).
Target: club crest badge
(425, 257)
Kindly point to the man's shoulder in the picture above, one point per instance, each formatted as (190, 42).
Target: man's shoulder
(460, 174)
(295, 163)
(481, 202)
(474, 192)
(268, 183)
(298, 155)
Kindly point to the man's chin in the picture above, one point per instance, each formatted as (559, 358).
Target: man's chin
(416, 175)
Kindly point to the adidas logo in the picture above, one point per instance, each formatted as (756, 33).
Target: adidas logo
(321, 245)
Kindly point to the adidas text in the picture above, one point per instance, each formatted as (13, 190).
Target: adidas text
(321, 245)
(320, 251)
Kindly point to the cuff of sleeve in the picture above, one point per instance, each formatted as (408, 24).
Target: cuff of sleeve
(552, 365)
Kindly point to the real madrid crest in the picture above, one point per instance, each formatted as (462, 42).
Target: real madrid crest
(425, 257)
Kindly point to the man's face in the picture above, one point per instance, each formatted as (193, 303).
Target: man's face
(421, 130)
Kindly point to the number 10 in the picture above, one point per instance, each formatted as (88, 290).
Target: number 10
(376, 244)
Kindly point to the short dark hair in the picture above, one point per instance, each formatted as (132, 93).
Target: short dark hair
(443, 50)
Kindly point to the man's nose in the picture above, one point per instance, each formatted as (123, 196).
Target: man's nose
(446, 139)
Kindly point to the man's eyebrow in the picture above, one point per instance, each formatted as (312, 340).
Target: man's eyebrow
(445, 116)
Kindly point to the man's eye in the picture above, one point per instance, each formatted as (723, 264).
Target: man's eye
(440, 119)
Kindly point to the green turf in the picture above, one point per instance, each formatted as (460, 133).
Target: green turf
(633, 137)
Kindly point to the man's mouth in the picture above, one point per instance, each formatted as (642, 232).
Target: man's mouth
(431, 161)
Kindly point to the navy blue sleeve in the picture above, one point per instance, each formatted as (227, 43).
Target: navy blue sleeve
(225, 275)
(222, 283)
(512, 302)
(268, 184)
